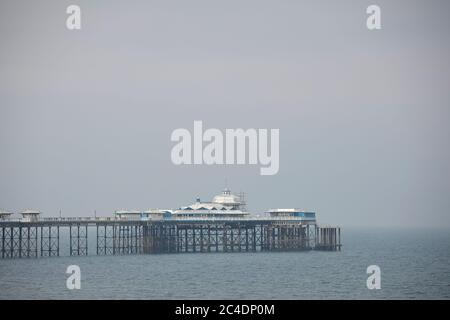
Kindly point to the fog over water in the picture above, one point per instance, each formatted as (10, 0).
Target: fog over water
(86, 116)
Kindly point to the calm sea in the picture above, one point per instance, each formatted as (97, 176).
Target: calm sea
(415, 264)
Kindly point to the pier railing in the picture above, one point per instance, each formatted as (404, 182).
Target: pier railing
(94, 219)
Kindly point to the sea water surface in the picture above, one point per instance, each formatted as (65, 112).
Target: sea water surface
(415, 264)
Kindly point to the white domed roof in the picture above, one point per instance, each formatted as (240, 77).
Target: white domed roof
(226, 198)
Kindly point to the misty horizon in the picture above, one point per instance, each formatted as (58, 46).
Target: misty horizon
(86, 116)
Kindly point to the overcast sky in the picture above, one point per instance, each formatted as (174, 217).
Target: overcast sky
(86, 116)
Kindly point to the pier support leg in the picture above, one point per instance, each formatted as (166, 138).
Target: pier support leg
(78, 240)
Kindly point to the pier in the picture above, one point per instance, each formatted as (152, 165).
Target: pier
(221, 225)
(43, 238)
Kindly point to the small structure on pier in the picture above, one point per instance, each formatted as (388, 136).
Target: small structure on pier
(307, 216)
(30, 215)
(4, 215)
(128, 215)
(157, 214)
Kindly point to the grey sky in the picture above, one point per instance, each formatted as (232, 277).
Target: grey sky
(86, 116)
